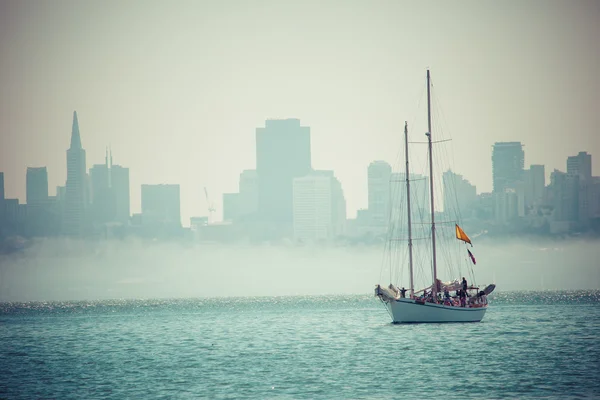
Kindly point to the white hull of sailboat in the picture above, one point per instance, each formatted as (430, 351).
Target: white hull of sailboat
(409, 311)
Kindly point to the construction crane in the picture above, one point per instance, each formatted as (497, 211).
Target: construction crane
(211, 206)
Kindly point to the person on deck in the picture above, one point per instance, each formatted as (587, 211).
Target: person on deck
(463, 298)
(403, 292)
(447, 300)
(465, 287)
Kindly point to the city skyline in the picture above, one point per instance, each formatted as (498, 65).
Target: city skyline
(571, 164)
(180, 106)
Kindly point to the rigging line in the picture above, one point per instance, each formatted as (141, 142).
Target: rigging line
(436, 222)
(470, 267)
(470, 271)
(461, 260)
(403, 239)
(438, 105)
(395, 203)
(442, 118)
(416, 111)
(390, 226)
(453, 194)
(401, 251)
(384, 260)
(445, 241)
(410, 180)
(433, 141)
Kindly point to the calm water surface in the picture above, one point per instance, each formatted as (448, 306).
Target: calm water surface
(543, 344)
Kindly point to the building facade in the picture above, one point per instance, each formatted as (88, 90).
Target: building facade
(282, 154)
(508, 161)
(243, 205)
(459, 195)
(535, 182)
(319, 207)
(580, 165)
(109, 192)
(75, 218)
(379, 175)
(36, 185)
(161, 205)
(119, 183)
(419, 199)
(102, 208)
(248, 189)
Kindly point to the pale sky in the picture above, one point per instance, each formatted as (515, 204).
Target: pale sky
(178, 88)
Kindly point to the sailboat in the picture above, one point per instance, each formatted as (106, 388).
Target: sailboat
(433, 304)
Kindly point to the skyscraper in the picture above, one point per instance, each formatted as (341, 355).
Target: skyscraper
(581, 165)
(535, 182)
(242, 205)
(43, 215)
(248, 188)
(564, 196)
(378, 181)
(508, 160)
(419, 196)
(110, 192)
(75, 217)
(231, 207)
(161, 205)
(319, 206)
(282, 154)
(459, 195)
(102, 204)
(37, 185)
(119, 182)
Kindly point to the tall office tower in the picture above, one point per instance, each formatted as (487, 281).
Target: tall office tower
(39, 222)
(282, 154)
(161, 205)
(581, 165)
(242, 205)
(563, 194)
(102, 204)
(248, 189)
(419, 197)
(319, 206)
(508, 160)
(459, 195)
(231, 207)
(534, 180)
(110, 192)
(75, 216)
(378, 181)
(37, 185)
(119, 181)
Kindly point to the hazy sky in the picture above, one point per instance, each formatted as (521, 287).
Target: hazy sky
(178, 88)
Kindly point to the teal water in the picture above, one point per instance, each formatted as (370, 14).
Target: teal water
(536, 344)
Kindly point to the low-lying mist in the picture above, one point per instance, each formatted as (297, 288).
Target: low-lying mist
(60, 269)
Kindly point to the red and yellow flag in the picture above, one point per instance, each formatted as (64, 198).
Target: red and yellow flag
(461, 235)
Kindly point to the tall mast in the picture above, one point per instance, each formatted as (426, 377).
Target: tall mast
(410, 245)
(434, 287)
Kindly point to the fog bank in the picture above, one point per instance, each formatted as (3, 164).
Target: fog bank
(58, 269)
